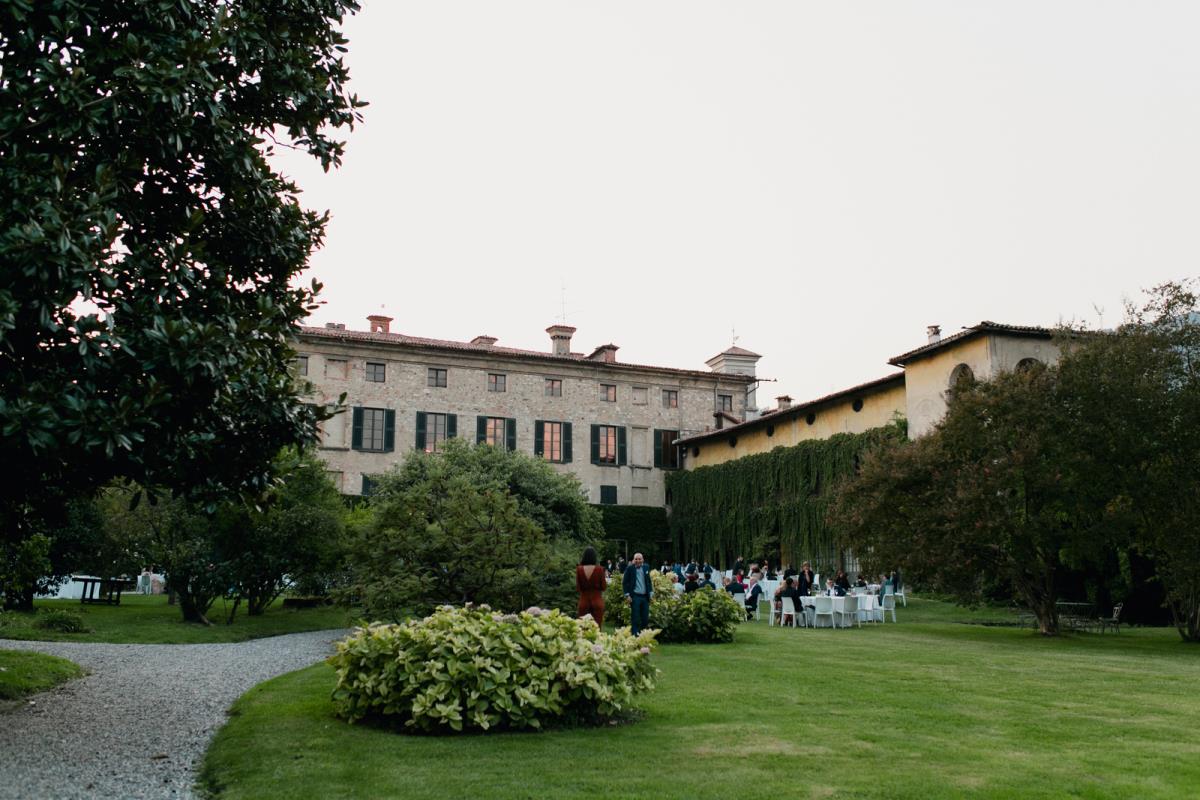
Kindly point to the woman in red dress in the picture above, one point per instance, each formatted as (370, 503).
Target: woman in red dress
(591, 581)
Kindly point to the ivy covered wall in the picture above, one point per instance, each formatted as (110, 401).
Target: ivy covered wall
(771, 504)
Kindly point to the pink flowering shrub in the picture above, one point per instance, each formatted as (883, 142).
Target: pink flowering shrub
(476, 669)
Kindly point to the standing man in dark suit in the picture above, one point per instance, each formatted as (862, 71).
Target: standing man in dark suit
(637, 588)
(804, 582)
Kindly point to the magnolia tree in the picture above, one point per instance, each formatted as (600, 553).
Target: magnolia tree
(151, 253)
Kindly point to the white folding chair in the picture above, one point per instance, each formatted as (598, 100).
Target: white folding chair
(787, 610)
(850, 611)
(900, 594)
(740, 599)
(889, 604)
(824, 608)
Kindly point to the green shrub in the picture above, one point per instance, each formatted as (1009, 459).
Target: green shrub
(60, 620)
(477, 669)
(702, 616)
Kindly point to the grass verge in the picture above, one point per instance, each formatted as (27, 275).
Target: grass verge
(23, 674)
(142, 619)
(924, 709)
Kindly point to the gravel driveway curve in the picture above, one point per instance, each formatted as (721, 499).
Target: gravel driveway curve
(137, 726)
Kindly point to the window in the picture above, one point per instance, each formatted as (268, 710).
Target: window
(553, 387)
(811, 418)
(497, 382)
(640, 394)
(336, 368)
(435, 428)
(857, 404)
(961, 377)
(608, 445)
(373, 429)
(1024, 365)
(333, 431)
(670, 398)
(666, 454)
(369, 485)
(724, 402)
(302, 365)
(436, 377)
(608, 495)
(497, 431)
(770, 431)
(608, 392)
(552, 441)
(376, 371)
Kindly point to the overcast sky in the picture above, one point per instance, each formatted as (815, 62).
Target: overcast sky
(827, 178)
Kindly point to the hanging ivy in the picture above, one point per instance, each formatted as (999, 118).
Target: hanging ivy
(769, 504)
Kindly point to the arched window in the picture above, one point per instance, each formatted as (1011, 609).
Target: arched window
(961, 377)
(811, 418)
(857, 404)
(770, 431)
(1026, 364)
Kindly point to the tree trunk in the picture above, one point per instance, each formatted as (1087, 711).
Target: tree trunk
(192, 609)
(1187, 618)
(21, 600)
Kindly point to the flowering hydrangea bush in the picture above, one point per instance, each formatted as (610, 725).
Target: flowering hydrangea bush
(477, 669)
(702, 616)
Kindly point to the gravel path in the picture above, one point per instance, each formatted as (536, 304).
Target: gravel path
(138, 724)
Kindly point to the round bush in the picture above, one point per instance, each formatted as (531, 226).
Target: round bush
(60, 620)
(706, 615)
(476, 669)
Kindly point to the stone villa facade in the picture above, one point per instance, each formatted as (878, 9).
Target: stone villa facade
(614, 425)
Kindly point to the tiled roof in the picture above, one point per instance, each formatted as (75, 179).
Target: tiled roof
(403, 340)
(774, 415)
(740, 351)
(966, 333)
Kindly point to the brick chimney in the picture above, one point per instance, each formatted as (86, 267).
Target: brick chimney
(379, 323)
(934, 332)
(784, 402)
(560, 339)
(484, 340)
(605, 352)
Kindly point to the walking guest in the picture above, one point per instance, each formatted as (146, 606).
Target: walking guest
(590, 580)
(638, 589)
(739, 566)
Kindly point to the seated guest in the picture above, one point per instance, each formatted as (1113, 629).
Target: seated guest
(708, 581)
(734, 585)
(861, 582)
(691, 584)
(789, 572)
(832, 589)
(788, 589)
(756, 573)
(842, 581)
(753, 591)
(885, 583)
(677, 585)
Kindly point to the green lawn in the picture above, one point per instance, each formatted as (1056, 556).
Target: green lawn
(142, 619)
(23, 673)
(927, 708)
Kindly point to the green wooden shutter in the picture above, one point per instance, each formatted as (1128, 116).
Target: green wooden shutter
(420, 430)
(356, 428)
(451, 426)
(389, 430)
(510, 434)
(621, 446)
(595, 444)
(539, 438)
(566, 442)
(658, 448)
(480, 430)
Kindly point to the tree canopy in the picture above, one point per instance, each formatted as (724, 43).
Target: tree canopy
(149, 249)
(1052, 467)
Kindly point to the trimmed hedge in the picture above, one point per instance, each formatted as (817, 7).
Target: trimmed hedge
(643, 528)
(473, 668)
